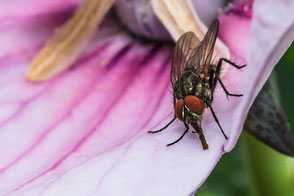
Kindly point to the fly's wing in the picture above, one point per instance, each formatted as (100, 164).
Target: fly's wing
(203, 53)
(183, 52)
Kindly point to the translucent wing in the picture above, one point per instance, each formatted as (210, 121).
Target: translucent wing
(203, 53)
(183, 52)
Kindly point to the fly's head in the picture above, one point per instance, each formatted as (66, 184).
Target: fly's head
(189, 109)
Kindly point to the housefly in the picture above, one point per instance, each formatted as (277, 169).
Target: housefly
(193, 78)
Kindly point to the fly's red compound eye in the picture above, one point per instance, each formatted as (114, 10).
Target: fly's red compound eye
(194, 104)
(179, 109)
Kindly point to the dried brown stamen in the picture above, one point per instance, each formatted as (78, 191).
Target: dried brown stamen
(68, 41)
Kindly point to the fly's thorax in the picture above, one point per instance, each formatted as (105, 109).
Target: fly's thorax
(193, 83)
(188, 84)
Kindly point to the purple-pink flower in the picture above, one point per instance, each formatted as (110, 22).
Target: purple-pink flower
(85, 131)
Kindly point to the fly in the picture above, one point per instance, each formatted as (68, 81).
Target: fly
(193, 78)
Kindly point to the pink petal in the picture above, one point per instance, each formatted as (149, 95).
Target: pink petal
(84, 133)
(48, 129)
(99, 111)
(88, 126)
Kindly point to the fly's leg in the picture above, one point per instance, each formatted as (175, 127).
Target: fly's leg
(216, 120)
(187, 128)
(164, 126)
(217, 73)
(226, 91)
(219, 64)
(174, 100)
(186, 125)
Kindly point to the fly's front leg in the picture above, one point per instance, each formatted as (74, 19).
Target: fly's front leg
(164, 126)
(174, 118)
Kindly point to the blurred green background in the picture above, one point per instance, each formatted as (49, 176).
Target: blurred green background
(253, 168)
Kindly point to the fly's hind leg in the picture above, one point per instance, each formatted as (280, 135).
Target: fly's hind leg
(226, 91)
(217, 73)
(219, 64)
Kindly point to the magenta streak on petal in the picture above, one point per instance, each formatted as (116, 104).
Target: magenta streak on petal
(163, 93)
(155, 99)
(80, 142)
(141, 128)
(110, 105)
(22, 107)
(167, 63)
(50, 129)
(152, 53)
(118, 56)
(42, 137)
(241, 8)
(20, 8)
(164, 68)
